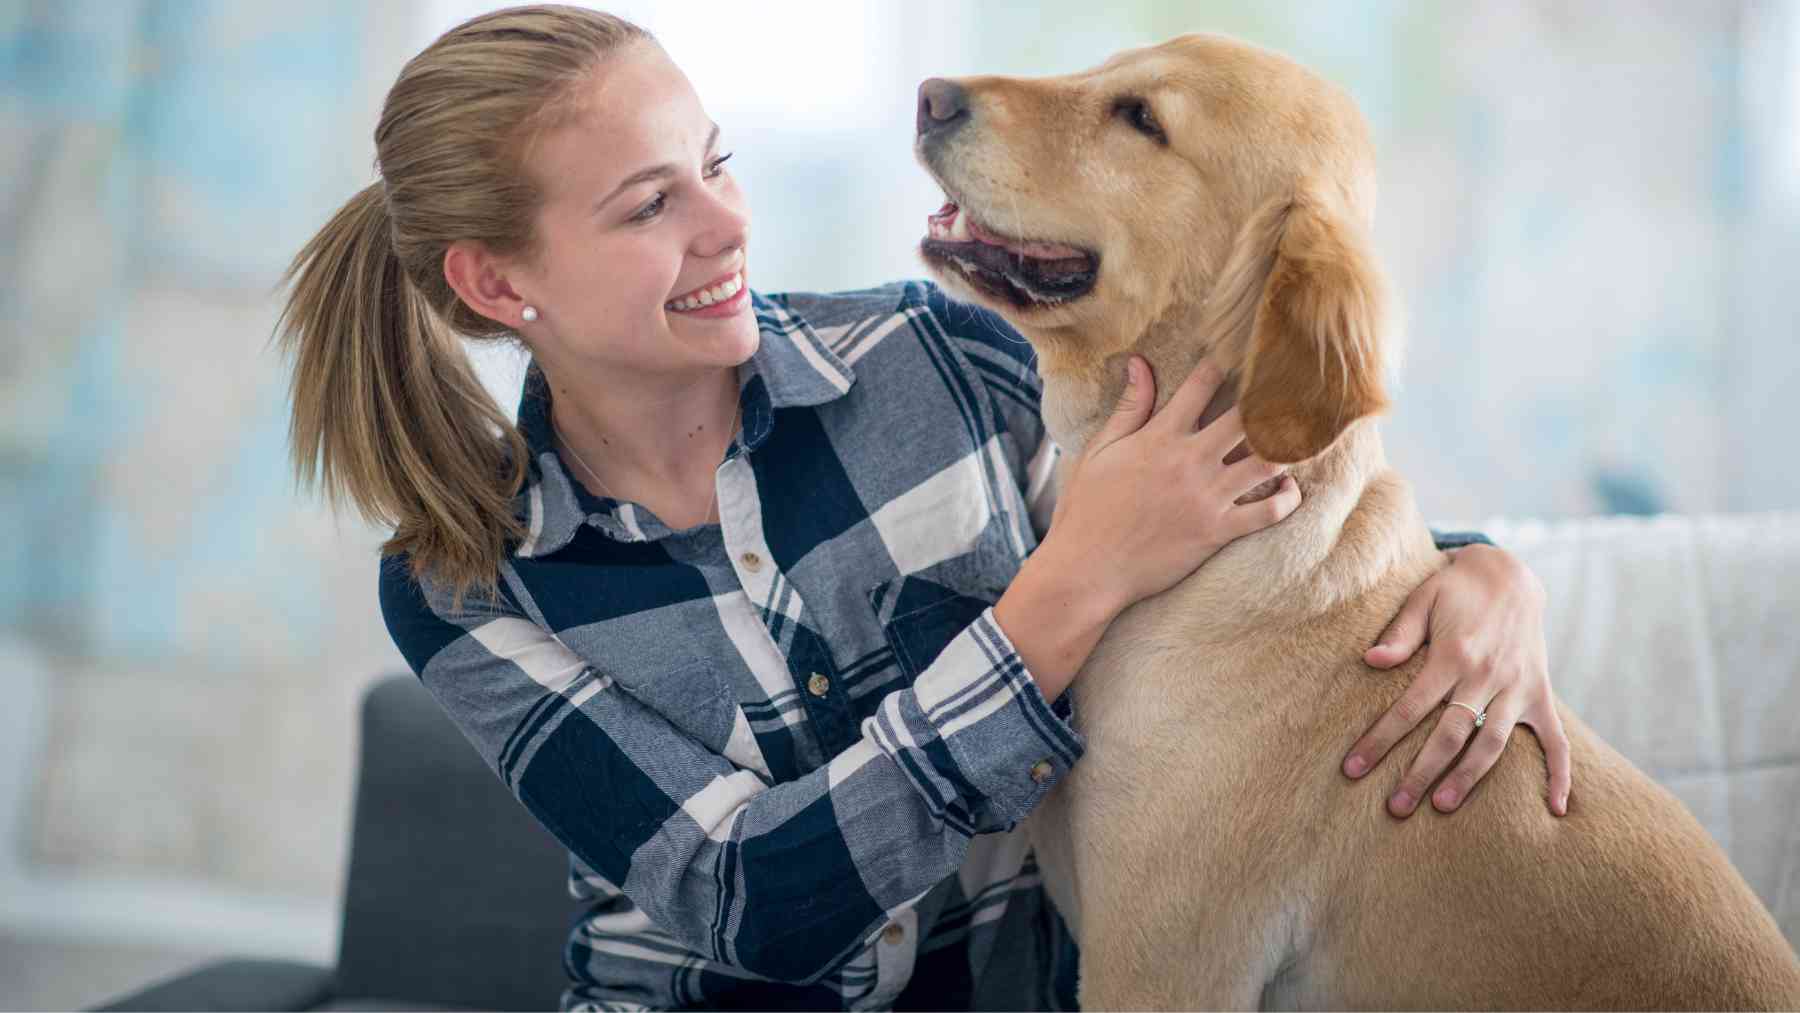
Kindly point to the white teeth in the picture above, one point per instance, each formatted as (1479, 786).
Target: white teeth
(959, 227)
(706, 297)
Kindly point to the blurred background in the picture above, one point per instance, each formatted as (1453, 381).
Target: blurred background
(1591, 211)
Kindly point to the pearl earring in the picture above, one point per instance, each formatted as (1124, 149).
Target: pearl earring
(529, 313)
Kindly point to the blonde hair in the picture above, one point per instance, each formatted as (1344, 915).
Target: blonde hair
(387, 408)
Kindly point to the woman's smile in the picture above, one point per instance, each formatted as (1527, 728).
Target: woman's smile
(724, 297)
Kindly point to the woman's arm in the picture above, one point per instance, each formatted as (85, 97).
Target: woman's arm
(785, 880)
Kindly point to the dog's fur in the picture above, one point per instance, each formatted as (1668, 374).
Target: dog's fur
(1206, 849)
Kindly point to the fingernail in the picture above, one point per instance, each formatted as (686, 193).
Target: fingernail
(1446, 798)
(1355, 766)
(1562, 805)
(1401, 801)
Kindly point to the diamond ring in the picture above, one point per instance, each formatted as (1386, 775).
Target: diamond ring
(1480, 715)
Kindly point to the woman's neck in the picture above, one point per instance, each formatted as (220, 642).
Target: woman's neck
(652, 438)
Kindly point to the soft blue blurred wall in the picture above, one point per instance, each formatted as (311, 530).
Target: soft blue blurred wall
(1591, 212)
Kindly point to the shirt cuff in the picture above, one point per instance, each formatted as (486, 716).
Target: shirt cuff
(975, 734)
(1458, 539)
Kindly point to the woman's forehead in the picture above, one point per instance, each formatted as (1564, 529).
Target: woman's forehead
(637, 111)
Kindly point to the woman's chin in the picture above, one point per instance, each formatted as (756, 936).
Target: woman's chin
(751, 342)
(723, 341)
(740, 341)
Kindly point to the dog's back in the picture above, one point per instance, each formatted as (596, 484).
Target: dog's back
(1624, 903)
(1298, 890)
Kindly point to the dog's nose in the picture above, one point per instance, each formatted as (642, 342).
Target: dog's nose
(942, 105)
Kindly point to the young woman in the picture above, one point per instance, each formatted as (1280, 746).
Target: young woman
(757, 607)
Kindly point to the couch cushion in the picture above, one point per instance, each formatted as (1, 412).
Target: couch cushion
(1678, 640)
(455, 894)
(234, 984)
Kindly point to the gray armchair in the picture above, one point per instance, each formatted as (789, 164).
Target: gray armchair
(455, 898)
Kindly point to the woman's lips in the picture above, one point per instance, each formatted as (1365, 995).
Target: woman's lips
(721, 298)
(720, 280)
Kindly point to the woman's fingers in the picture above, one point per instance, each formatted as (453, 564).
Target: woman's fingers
(1427, 689)
(1406, 633)
(1220, 436)
(1452, 733)
(1190, 399)
(1247, 518)
(1247, 474)
(1489, 742)
(1546, 724)
(1134, 407)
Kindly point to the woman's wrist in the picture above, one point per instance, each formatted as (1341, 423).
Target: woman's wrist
(1054, 612)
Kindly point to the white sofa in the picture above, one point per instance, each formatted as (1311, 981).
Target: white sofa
(1678, 639)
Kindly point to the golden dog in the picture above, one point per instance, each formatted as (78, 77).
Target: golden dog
(1209, 199)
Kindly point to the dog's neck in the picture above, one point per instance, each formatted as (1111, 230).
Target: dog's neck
(1084, 377)
(1356, 526)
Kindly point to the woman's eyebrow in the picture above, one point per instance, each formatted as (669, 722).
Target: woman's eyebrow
(654, 172)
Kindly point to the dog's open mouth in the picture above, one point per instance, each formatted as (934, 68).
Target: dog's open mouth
(1024, 273)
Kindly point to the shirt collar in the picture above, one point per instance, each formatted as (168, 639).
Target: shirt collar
(791, 367)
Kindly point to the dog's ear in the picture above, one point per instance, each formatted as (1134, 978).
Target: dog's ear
(1309, 362)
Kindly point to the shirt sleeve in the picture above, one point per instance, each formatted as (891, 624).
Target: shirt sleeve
(1458, 539)
(786, 881)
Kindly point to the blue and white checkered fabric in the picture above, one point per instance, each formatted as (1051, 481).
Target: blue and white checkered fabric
(787, 752)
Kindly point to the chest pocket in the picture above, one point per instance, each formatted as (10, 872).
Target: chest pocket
(921, 612)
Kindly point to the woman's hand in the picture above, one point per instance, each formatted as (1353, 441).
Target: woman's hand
(1142, 506)
(1155, 499)
(1483, 617)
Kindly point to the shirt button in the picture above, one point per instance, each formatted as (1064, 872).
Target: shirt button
(751, 561)
(893, 933)
(1040, 771)
(818, 685)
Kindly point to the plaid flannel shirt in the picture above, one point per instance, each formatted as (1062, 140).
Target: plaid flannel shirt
(788, 752)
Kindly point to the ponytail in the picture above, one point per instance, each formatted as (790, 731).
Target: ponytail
(387, 409)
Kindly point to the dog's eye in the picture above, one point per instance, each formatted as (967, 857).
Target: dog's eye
(1137, 112)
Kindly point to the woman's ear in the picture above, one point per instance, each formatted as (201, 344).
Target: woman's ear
(478, 279)
(1311, 362)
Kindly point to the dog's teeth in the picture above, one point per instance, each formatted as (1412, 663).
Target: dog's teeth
(959, 227)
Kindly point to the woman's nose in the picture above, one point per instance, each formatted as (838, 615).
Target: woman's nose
(727, 227)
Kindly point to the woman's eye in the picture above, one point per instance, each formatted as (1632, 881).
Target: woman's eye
(714, 169)
(651, 209)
